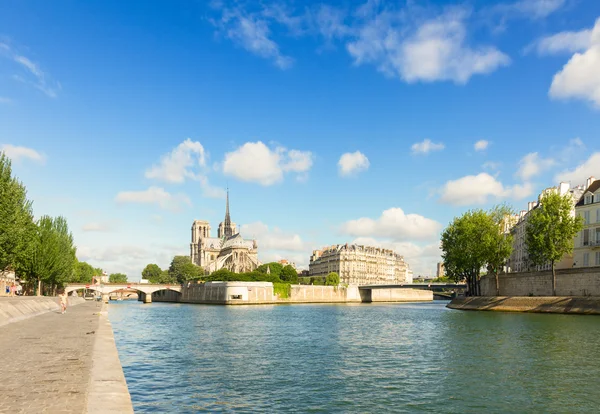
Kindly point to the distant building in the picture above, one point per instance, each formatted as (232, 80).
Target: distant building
(284, 263)
(360, 265)
(587, 242)
(519, 258)
(440, 270)
(226, 251)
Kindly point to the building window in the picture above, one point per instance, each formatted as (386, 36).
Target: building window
(597, 258)
(586, 259)
(586, 217)
(597, 198)
(588, 199)
(586, 237)
(598, 215)
(236, 296)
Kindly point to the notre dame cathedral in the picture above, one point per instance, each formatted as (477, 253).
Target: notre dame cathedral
(228, 250)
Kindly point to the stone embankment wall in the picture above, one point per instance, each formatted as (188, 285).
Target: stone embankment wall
(18, 308)
(244, 293)
(569, 282)
(575, 305)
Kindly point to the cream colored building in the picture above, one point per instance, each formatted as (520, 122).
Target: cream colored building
(228, 250)
(441, 271)
(587, 242)
(360, 265)
(519, 259)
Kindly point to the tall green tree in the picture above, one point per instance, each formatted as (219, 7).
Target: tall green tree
(182, 269)
(501, 241)
(53, 257)
(117, 278)
(473, 242)
(550, 231)
(273, 268)
(332, 279)
(152, 273)
(16, 220)
(289, 274)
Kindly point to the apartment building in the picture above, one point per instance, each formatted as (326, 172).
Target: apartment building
(587, 242)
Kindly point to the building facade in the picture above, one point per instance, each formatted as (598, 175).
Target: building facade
(226, 251)
(587, 242)
(360, 265)
(440, 272)
(519, 258)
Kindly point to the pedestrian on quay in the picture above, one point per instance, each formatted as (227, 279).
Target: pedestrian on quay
(63, 301)
(12, 289)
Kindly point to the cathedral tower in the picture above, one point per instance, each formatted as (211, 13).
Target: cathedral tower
(227, 228)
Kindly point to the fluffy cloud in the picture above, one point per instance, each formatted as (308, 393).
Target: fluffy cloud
(578, 175)
(481, 145)
(426, 146)
(352, 163)
(394, 224)
(536, 9)
(532, 164)
(178, 165)
(252, 32)
(154, 195)
(31, 73)
(186, 161)
(579, 77)
(479, 189)
(255, 162)
(564, 42)
(17, 153)
(436, 50)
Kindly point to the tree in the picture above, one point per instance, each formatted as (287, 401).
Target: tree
(472, 242)
(117, 278)
(152, 273)
(550, 231)
(182, 269)
(274, 268)
(16, 220)
(501, 241)
(289, 274)
(332, 279)
(53, 256)
(84, 272)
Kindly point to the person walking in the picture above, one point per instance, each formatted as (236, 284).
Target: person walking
(63, 301)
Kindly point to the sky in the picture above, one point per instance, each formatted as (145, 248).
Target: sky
(366, 122)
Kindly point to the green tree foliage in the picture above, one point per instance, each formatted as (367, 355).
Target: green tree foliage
(472, 242)
(117, 278)
(550, 231)
(182, 269)
(289, 274)
(16, 220)
(152, 273)
(274, 268)
(53, 256)
(83, 273)
(501, 241)
(332, 279)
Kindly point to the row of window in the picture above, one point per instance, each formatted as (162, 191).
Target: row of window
(586, 259)
(591, 198)
(590, 237)
(587, 216)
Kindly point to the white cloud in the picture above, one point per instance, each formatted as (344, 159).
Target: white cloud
(154, 195)
(252, 32)
(177, 166)
(352, 163)
(491, 165)
(436, 50)
(255, 162)
(578, 175)
(97, 226)
(481, 145)
(330, 23)
(32, 73)
(395, 224)
(480, 189)
(426, 147)
(579, 77)
(186, 161)
(564, 42)
(532, 164)
(537, 9)
(17, 153)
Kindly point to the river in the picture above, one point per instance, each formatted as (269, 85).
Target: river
(183, 358)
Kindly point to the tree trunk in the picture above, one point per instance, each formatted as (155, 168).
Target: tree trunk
(497, 284)
(553, 279)
(39, 288)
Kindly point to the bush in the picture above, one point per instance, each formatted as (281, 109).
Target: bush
(333, 279)
(282, 290)
(304, 280)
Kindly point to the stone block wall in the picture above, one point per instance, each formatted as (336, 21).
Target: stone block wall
(401, 295)
(569, 282)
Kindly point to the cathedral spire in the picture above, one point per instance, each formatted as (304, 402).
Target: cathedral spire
(227, 230)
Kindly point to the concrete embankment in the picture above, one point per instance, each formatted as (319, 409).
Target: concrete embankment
(18, 308)
(543, 304)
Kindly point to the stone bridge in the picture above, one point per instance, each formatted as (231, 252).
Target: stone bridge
(105, 289)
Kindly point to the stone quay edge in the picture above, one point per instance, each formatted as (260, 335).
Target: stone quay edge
(579, 305)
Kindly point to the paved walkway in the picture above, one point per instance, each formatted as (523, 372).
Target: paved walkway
(45, 361)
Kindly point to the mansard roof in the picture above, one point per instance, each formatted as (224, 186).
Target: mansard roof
(593, 188)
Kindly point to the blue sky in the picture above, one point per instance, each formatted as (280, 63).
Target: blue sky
(375, 122)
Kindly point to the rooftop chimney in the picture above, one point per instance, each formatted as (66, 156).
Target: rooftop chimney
(589, 182)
